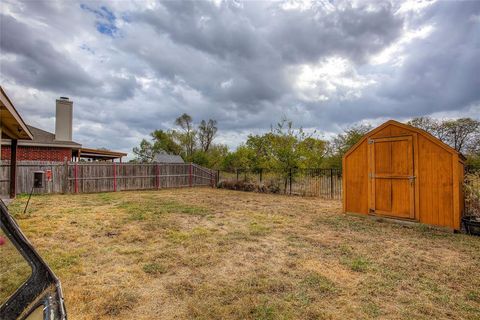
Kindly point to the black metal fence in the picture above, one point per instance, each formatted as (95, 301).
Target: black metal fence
(327, 183)
(472, 191)
(324, 183)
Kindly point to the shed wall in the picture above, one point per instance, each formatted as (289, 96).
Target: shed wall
(439, 193)
(356, 175)
(435, 183)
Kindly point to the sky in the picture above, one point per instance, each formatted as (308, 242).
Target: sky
(131, 67)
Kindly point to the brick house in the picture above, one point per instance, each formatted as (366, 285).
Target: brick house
(58, 146)
(43, 147)
(46, 146)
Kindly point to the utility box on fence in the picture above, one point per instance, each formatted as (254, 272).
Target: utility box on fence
(38, 179)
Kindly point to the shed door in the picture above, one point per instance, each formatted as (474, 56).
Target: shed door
(392, 180)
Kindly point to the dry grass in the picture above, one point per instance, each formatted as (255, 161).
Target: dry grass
(218, 254)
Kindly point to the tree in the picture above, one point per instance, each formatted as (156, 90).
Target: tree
(183, 142)
(242, 158)
(312, 152)
(165, 141)
(206, 133)
(187, 138)
(432, 126)
(145, 152)
(216, 154)
(161, 141)
(461, 134)
(341, 143)
(261, 148)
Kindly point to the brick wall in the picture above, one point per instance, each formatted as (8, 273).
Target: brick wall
(38, 153)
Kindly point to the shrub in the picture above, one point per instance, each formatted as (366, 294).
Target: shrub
(270, 187)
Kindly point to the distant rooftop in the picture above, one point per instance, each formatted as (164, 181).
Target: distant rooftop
(100, 154)
(167, 158)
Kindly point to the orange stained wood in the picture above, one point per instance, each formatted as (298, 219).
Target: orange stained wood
(392, 177)
(403, 172)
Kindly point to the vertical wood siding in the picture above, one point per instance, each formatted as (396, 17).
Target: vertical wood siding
(438, 182)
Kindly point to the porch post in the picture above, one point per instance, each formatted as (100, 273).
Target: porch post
(13, 168)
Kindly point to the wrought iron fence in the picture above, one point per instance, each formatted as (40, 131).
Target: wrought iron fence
(472, 191)
(324, 183)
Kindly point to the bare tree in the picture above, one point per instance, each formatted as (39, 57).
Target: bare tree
(188, 137)
(206, 133)
(462, 134)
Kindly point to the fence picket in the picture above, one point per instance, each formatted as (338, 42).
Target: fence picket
(80, 177)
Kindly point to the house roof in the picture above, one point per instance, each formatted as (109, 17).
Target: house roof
(408, 127)
(100, 154)
(167, 158)
(12, 123)
(42, 138)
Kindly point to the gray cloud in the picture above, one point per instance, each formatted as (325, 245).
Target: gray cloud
(132, 67)
(38, 63)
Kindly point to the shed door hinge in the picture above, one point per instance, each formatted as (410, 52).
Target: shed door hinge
(371, 141)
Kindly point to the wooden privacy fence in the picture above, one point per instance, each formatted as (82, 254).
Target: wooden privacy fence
(78, 177)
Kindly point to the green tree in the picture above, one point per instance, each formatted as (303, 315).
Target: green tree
(341, 143)
(312, 152)
(160, 141)
(165, 140)
(242, 158)
(145, 152)
(216, 155)
(183, 142)
(261, 149)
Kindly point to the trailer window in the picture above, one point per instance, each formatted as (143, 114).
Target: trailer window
(14, 269)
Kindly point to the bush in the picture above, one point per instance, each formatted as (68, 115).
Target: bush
(249, 186)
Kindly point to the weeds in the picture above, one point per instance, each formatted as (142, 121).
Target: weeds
(221, 254)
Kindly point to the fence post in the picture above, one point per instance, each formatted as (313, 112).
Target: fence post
(261, 175)
(290, 177)
(236, 170)
(114, 177)
(331, 183)
(157, 173)
(217, 180)
(75, 172)
(65, 177)
(190, 174)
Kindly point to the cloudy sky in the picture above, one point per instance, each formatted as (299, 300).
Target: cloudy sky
(132, 67)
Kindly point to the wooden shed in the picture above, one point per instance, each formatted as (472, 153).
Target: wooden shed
(402, 172)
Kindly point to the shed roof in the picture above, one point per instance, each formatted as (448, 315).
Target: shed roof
(408, 127)
(167, 158)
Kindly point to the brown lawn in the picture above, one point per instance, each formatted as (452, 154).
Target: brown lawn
(217, 254)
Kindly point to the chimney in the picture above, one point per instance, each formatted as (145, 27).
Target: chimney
(63, 119)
